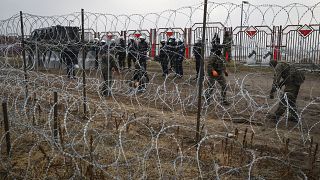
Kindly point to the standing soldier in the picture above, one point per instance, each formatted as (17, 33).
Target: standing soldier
(70, 56)
(132, 51)
(216, 72)
(108, 64)
(121, 52)
(172, 49)
(96, 48)
(196, 50)
(291, 78)
(143, 49)
(180, 56)
(227, 42)
(164, 58)
(140, 78)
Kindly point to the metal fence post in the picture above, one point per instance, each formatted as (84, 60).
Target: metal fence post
(24, 54)
(83, 65)
(200, 82)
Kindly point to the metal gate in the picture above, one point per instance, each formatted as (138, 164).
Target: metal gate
(300, 44)
(211, 29)
(254, 42)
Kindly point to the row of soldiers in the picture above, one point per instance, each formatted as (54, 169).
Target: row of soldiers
(113, 59)
(171, 57)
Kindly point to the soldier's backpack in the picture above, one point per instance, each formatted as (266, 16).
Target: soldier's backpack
(295, 76)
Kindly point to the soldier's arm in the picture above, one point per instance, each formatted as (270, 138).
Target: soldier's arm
(276, 78)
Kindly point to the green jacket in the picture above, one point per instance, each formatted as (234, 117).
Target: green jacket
(216, 63)
(286, 74)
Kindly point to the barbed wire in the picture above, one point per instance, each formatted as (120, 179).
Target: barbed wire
(133, 134)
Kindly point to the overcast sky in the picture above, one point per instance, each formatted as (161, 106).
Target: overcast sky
(59, 7)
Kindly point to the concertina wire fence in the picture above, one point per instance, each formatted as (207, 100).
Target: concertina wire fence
(78, 133)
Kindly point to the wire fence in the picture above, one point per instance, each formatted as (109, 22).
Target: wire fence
(60, 124)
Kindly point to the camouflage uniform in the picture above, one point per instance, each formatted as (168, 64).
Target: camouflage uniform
(291, 78)
(108, 62)
(132, 52)
(217, 63)
(172, 52)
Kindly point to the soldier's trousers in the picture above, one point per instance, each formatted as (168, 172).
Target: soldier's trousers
(178, 66)
(223, 84)
(288, 101)
(122, 57)
(143, 62)
(131, 57)
(198, 65)
(70, 70)
(164, 65)
(106, 88)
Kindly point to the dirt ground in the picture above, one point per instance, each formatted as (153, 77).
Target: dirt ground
(152, 135)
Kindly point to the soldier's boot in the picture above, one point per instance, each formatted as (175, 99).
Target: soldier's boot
(224, 99)
(273, 116)
(225, 102)
(293, 117)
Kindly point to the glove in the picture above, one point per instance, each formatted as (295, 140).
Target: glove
(226, 73)
(271, 96)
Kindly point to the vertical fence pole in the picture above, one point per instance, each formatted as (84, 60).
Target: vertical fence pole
(55, 116)
(6, 125)
(201, 69)
(24, 54)
(83, 65)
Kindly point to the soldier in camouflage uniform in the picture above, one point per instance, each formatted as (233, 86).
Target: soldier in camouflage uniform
(227, 42)
(286, 75)
(108, 64)
(132, 51)
(217, 63)
(70, 57)
(121, 52)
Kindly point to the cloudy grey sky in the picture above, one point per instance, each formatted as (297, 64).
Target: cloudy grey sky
(58, 7)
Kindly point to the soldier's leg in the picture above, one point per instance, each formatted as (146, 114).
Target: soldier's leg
(208, 93)
(164, 67)
(223, 83)
(176, 66)
(197, 66)
(121, 61)
(292, 98)
(282, 106)
(69, 68)
(105, 82)
(129, 57)
(144, 63)
(109, 86)
(180, 67)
